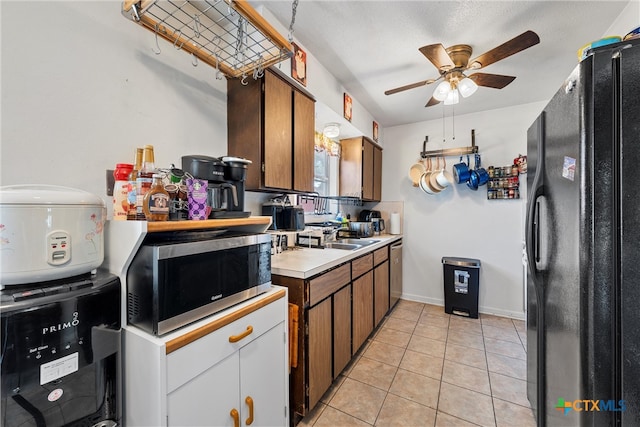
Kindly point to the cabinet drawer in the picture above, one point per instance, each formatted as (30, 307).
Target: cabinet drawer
(326, 284)
(361, 265)
(191, 360)
(380, 255)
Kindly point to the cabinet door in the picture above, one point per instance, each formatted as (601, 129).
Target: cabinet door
(319, 360)
(278, 156)
(381, 291)
(377, 174)
(264, 379)
(362, 289)
(303, 141)
(351, 167)
(208, 398)
(341, 329)
(367, 170)
(244, 126)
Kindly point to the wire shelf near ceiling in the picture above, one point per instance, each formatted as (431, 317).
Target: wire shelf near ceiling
(229, 35)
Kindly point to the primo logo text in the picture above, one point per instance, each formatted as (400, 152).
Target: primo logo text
(61, 326)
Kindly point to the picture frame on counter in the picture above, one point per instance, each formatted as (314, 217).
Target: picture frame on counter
(299, 65)
(348, 106)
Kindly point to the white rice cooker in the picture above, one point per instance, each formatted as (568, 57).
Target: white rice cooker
(49, 232)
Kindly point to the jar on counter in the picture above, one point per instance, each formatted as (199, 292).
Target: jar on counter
(144, 180)
(156, 201)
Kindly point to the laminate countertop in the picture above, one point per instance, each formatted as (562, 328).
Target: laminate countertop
(302, 263)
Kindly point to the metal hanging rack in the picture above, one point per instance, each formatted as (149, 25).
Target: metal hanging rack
(229, 35)
(460, 151)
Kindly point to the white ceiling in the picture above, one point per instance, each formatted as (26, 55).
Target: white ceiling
(372, 46)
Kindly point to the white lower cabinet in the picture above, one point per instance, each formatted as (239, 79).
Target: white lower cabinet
(235, 375)
(257, 399)
(209, 398)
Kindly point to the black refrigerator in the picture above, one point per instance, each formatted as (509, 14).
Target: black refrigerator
(583, 246)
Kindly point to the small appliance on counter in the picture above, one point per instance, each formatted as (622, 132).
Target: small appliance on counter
(177, 278)
(49, 232)
(226, 183)
(284, 216)
(61, 352)
(60, 315)
(367, 215)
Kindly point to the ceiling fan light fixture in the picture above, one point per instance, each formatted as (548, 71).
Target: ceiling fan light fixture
(467, 87)
(331, 130)
(442, 90)
(452, 98)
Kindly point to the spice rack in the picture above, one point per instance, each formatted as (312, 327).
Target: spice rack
(504, 183)
(228, 35)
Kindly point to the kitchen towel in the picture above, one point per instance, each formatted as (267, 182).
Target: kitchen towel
(394, 228)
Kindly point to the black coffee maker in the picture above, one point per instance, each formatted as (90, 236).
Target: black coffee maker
(225, 177)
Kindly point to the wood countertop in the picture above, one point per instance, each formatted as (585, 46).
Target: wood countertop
(159, 226)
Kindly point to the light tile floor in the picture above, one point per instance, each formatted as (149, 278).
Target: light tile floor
(423, 367)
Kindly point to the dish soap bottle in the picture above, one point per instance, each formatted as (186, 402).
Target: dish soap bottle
(156, 201)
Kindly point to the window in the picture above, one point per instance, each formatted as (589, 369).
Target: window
(321, 174)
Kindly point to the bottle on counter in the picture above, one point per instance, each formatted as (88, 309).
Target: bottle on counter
(156, 201)
(144, 179)
(131, 197)
(121, 190)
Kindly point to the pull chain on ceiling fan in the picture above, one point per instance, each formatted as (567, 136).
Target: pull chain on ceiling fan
(453, 62)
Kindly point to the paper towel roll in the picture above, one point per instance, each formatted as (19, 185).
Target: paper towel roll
(394, 227)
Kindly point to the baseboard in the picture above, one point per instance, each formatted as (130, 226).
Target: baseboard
(481, 309)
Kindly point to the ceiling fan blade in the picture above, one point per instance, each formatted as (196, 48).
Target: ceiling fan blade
(407, 87)
(437, 54)
(496, 81)
(515, 45)
(432, 102)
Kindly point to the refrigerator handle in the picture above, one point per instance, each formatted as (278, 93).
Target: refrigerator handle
(536, 207)
(533, 232)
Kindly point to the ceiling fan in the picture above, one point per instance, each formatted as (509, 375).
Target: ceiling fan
(453, 62)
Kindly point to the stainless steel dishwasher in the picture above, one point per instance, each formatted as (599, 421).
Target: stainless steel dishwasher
(396, 273)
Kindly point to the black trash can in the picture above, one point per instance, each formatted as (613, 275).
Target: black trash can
(461, 282)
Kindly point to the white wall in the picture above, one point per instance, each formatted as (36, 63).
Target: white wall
(81, 88)
(460, 222)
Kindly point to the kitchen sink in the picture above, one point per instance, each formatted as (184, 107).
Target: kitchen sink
(340, 245)
(350, 244)
(361, 242)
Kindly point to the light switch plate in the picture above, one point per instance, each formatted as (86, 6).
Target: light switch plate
(110, 182)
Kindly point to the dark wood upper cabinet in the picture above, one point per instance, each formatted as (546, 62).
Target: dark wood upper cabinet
(361, 169)
(271, 123)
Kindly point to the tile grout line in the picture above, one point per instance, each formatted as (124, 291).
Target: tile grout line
(397, 367)
(446, 341)
(486, 358)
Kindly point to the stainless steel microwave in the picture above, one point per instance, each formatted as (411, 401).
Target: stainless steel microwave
(177, 278)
